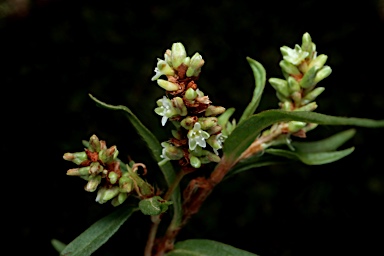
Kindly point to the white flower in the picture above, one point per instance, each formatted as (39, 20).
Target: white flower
(165, 109)
(294, 56)
(197, 136)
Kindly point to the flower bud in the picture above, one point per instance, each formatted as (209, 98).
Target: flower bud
(178, 103)
(318, 62)
(207, 122)
(166, 85)
(195, 65)
(289, 68)
(92, 184)
(126, 183)
(188, 122)
(94, 144)
(77, 158)
(309, 107)
(119, 199)
(306, 42)
(293, 85)
(322, 73)
(178, 54)
(106, 194)
(308, 79)
(194, 161)
(214, 110)
(171, 152)
(312, 95)
(95, 168)
(79, 171)
(113, 177)
(295, 126)
(190, 94)
(286, 105)
(280, 85)
(108, 155)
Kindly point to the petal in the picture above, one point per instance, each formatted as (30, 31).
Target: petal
(164, 120)
(192, 144)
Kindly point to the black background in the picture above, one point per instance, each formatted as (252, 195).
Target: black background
(53, 53)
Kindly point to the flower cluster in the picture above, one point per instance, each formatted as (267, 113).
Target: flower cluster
(194, 117)
(302, 69)
(102, 170)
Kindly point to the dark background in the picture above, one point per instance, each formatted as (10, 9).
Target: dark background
(53, 53)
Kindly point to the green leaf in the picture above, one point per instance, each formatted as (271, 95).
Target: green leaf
(260, 77)
(58, 245)
(97, 234)
(329, 144)
(252, 163)
(156, 148)
(247, 131)
(204, 247)
(311, 158)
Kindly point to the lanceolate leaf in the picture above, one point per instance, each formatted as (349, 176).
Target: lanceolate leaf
(97, 234)
(254, 162)
(247, 131)
(203, 247)
(156, 148)
(311, 158)
(329, 144)
(260, 77)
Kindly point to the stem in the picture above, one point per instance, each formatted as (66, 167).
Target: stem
(174, 185)
(152, 235)
(157, 218)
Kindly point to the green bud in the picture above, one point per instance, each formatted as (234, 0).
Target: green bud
(186, 61)
(119, 199)
(309, 107)
(79, 171)
(207, 122)
(167, 57)
(188, 122)
(295, 126)
(178, 103)
(125, 183)
(289, 68)
(214, 129)
(172, 152)
(106, 194)
(296, 96)
(312, 95)
(77, 158)
(190, 94)
(164, 68)
(92, 184)
(280, 85)
(166, 85)
(194, 161)
(178, 54)
(322, 73)
(108, 155)
(94, 144)
(212, 157)
(318, 62)
(112, 176)
(308, 79)
(293, 85)
(195, 65)
(95, 168)
(286, 105)
(214, 110)
(306, 43)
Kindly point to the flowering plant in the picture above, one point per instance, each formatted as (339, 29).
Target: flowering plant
(204, 138)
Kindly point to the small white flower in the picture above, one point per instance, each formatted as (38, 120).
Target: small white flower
(197, 136)
(294, 56)
(165, 109)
